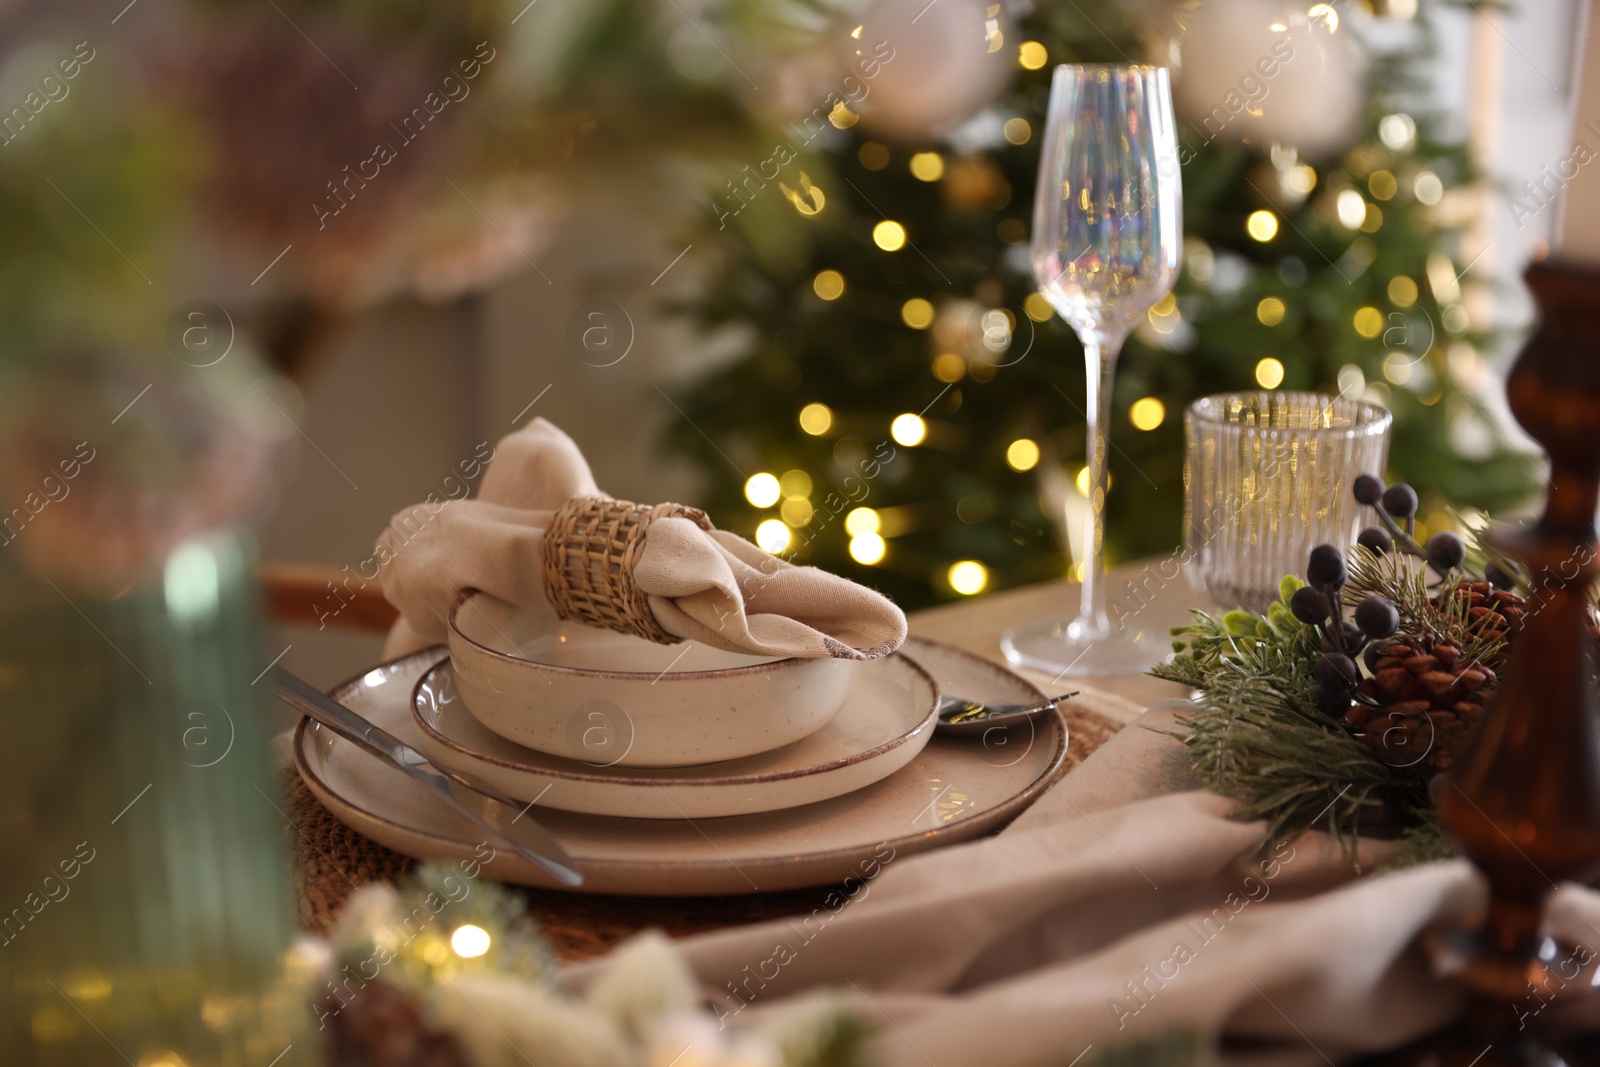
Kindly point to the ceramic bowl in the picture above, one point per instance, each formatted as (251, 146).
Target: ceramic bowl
(611, 699)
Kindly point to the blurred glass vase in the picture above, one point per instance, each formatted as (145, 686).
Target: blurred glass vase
(1267, 477)
(145, 894)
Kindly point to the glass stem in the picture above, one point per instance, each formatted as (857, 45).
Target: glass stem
(1100, 366)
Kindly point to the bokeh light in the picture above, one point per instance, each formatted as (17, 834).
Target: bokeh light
(1022, 454)
(828, 284)
(795, 484)
(927, 166)
(968, 577)
(889, 236)
(1368, 322)
(815, 419)
(908, 429)
(862, 520)
(868, 547)
(1147, 413)
(469, 941)
(1262, 225)
(917, 313)
(762, 490)
(1269, 373)
(773, 536)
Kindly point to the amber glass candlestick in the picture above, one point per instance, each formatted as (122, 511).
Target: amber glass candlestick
(1523, 801)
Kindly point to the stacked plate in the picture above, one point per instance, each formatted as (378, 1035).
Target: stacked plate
(671, 770)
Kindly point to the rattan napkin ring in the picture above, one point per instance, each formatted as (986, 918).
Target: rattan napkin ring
(590, 549)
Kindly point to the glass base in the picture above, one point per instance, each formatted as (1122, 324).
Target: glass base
(1078, 650)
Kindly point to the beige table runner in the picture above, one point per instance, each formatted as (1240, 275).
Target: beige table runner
(1121, 906)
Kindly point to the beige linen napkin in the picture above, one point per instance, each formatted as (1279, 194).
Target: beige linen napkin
(709, 586)
(1124, 904)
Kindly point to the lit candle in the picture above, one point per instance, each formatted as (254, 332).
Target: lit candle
(1580, 219)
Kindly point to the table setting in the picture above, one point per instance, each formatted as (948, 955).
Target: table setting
(793, 760)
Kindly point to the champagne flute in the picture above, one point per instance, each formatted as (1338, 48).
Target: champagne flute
(1107, 237)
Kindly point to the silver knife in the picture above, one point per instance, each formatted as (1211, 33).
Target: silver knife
(504, 818)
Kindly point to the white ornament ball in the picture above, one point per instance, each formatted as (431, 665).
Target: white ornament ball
(1266, 71)
(946, 61)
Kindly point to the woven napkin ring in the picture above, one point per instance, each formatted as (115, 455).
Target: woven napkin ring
(590, 549)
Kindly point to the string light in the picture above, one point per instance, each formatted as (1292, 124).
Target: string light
(1147, 413)
(862, 520)
(795, 485)
(908, 430)
(828, 284)
(772, 536)
(1032, 55)
(1368, 322)
(808, 199)
(949, 367)
(968, 577)
(1269, 373)
(1350, 208)
(1402, 291)
(1262, 225)
(927, 166)
(1428, 188)
(1442, 278)
(868, 547)
(917, 313)
(1022, 454)
(1397, 367)
(1397, 131)
(889, 236)
(815, 419)
(469, 941)
(1270, 311)
(1082, 481)
(762, 490)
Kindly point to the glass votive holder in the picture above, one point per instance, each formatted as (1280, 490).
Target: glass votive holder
(1267, 477)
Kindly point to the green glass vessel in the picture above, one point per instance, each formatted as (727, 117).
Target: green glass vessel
(144, 895)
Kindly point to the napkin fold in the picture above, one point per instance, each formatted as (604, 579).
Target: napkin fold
(710, 586)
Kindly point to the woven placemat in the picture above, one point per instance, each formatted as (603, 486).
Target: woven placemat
(330, 861)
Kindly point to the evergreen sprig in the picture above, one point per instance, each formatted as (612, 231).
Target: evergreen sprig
(1257, 736)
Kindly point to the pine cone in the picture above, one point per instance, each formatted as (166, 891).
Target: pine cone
(383, 1026)
(1427, 697)
(1492, 613)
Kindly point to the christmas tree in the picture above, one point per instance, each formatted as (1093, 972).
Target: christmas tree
(906, 408)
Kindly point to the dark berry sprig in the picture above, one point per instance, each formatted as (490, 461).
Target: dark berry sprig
(1397, 504)
(1320, 604)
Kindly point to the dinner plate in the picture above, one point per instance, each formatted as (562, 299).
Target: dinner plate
(954, 790)
(886, 719)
